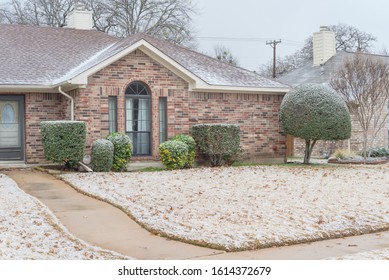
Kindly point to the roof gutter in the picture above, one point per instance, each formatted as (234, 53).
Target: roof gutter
(71, 102)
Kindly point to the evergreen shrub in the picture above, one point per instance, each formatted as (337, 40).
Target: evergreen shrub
(63, 141)
(102, 155)
(218, 142)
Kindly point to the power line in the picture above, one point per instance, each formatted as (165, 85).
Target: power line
(247, 39)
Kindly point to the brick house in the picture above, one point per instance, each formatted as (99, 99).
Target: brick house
(147, 88)
(326, 61)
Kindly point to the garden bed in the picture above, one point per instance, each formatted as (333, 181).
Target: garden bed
(379, 160)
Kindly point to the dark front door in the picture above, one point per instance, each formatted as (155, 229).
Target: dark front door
(138, 118)
(11, 127)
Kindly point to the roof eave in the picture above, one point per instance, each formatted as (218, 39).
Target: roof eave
(26, 88)
(36, 88)
(237, 89)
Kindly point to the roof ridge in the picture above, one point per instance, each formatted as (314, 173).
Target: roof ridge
(199, 53)
(365, 53)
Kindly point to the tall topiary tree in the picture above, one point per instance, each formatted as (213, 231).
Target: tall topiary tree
(315, 112)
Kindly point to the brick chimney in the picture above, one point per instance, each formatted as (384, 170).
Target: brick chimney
(79, 18)
(323, 46)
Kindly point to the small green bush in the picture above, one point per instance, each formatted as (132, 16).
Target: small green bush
(122, 153)
(191, 143)
(102, 155)
(218, 142)
(378, 152)
(63, 141)
(174, 154)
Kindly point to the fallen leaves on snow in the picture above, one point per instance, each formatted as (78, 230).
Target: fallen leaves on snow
(238, 207)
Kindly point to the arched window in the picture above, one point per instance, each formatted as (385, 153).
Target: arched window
(138, 117)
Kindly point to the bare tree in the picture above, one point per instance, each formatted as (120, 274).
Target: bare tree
(224, 54)
(37, 12)
(165, 19)
(363, 81)
(347, 38)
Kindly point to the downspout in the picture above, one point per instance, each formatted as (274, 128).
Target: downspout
(71, 102)
(72, 118)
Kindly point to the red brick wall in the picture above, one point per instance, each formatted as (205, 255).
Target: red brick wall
(39, 107)
(257, 115)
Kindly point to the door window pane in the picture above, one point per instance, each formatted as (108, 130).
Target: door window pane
(9, 124)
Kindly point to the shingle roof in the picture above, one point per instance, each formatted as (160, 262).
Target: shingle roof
(41, 55)
(211, 70)
(48, 56)
(309, 74)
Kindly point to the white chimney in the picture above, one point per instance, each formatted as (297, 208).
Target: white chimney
(79, 18)
(323, 46)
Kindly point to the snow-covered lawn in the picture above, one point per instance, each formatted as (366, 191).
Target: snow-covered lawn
(249, 207)
(28, 230)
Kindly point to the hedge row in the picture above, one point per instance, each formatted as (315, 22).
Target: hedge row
(64, 141)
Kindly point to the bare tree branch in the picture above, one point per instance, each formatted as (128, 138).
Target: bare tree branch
(224, 54)
(363, 81)
(165, 19)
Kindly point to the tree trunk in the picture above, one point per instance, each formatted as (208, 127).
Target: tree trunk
(308, 150)
(364, 145)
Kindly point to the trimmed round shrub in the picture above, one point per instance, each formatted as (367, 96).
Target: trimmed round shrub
(122, 146)
(63, 141)
(218, 142)
(315, 112)
(191, 143)
(102, 155)
(174, 154)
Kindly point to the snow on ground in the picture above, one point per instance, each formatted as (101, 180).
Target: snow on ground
(28, 230)
(380, 254)
(249, 207)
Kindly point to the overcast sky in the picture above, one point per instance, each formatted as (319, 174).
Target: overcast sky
(292, 21)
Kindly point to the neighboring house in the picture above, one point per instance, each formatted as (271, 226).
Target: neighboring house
(326, 61)
(147, 88)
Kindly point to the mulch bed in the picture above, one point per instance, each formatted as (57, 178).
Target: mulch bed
(359, 161)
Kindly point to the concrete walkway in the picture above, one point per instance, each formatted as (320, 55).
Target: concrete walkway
(103, 225)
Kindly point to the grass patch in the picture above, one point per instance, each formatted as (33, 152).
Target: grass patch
(151, 169)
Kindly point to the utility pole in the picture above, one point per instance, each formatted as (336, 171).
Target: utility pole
(274, 44)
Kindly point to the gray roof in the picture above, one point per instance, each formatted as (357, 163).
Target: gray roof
(49, 56)
(42, 55)
(309, 74)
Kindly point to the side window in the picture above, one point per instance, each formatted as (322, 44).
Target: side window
(162, 119)
(112, 113)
